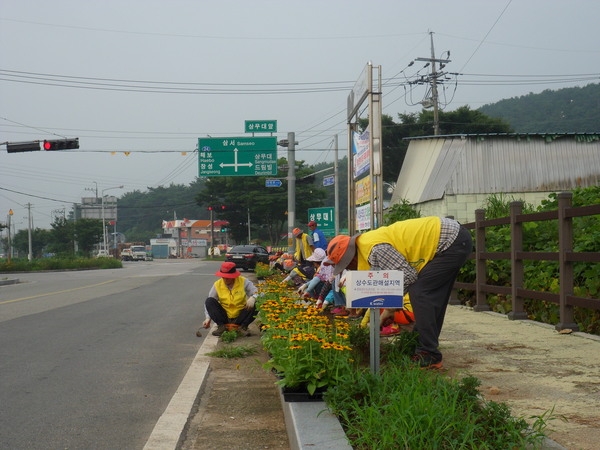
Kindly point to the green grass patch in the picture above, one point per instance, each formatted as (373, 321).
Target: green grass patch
(37, 265)
(234, 351)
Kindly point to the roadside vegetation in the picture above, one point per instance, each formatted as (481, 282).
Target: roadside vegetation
(38, 265)
(402, 406)
(405, 407)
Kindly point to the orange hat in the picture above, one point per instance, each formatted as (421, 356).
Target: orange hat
(228, 270)
(341, 251)
(296, 232)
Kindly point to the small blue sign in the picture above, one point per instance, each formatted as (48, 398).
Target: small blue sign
(273, 183)
(329, 180)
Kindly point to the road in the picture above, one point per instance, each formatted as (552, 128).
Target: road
(91, 359)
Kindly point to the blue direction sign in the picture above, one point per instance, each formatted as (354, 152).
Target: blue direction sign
(272, 183)
(328, 180)
(237, 156)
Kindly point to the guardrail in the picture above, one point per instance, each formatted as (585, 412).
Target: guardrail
(565, 256)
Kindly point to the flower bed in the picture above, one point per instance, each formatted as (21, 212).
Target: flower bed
(308, 349)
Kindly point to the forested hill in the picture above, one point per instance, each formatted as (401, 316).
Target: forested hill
(567, 110)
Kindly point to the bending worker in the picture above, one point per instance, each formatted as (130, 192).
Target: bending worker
(231, 300)
(430, 251)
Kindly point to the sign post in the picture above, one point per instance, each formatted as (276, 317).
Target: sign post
(376, 290)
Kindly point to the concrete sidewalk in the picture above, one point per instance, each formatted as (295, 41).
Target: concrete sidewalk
(527, 365)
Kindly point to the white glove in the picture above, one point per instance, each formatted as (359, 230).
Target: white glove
(250, 302)
(302, 288)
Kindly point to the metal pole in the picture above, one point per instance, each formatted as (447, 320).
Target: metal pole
(10, 213)
(103, 225)
(434, 92)
(291, 178)
(336, 180)
(30, 254)
(249, 237)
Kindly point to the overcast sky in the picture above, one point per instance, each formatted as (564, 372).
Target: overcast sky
(150, 77)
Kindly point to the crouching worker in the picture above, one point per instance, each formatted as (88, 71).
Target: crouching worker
(430, 251)
(231, 300)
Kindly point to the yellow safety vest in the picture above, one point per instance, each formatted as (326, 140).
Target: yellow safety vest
(415, 239)
(302, 248)
(234, 300)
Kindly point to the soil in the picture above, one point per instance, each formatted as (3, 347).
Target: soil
(535, 370)
(240, 407)
(531, 367)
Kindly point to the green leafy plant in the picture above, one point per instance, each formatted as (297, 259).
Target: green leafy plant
(231, 351)
(229, 336)
(308, 349)
(406, 407)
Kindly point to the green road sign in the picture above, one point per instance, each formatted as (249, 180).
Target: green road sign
(325, 219)
(260, 126)
(237, 156)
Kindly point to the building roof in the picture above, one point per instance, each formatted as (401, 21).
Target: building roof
(435, 166)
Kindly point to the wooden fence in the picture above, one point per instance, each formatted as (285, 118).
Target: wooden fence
(565, 257)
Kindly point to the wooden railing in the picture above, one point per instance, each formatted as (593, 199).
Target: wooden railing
(565, 256)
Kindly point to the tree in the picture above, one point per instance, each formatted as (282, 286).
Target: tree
(88, 233)
(62, 237)
(39, 240)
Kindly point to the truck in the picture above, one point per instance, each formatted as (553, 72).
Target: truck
(134, 253)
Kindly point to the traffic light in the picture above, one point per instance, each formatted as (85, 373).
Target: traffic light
(19, 147)
(61, 144)
(223, 229)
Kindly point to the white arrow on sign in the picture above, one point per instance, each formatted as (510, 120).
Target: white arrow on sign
(235, 164)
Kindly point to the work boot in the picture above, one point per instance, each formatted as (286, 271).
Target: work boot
(219, 331)
(244, 331)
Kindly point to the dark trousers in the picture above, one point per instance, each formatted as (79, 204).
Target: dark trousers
(218, 314)
(430, 294)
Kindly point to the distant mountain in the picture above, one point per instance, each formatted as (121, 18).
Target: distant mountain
(568, 110)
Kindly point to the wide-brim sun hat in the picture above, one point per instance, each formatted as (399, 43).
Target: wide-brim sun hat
(228, 270)
(340, 252)
(296, 232)
(318, 255)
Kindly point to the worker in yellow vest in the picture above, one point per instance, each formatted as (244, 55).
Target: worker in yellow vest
(430, 251)
(304, 246)
(231, 300)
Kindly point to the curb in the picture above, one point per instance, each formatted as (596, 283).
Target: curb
(173, 423)
(312, 425)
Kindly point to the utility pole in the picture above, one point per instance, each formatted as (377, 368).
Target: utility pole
(29, 222)
(336, 180)
(433, 80)
(290, 143)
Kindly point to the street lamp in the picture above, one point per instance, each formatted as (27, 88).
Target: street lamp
(104, 242)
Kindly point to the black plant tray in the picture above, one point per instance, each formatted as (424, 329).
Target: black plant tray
(300, 394)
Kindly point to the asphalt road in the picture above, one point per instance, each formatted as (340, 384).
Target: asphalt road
(91, 359)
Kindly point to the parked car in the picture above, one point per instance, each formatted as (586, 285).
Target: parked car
(246, 256)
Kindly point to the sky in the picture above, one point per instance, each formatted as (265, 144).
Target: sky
(138, 82)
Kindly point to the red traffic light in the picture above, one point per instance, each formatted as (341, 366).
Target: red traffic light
(61, 144)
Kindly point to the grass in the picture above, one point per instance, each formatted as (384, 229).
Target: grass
(36, 265)
(234, 351)
(405, 407)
